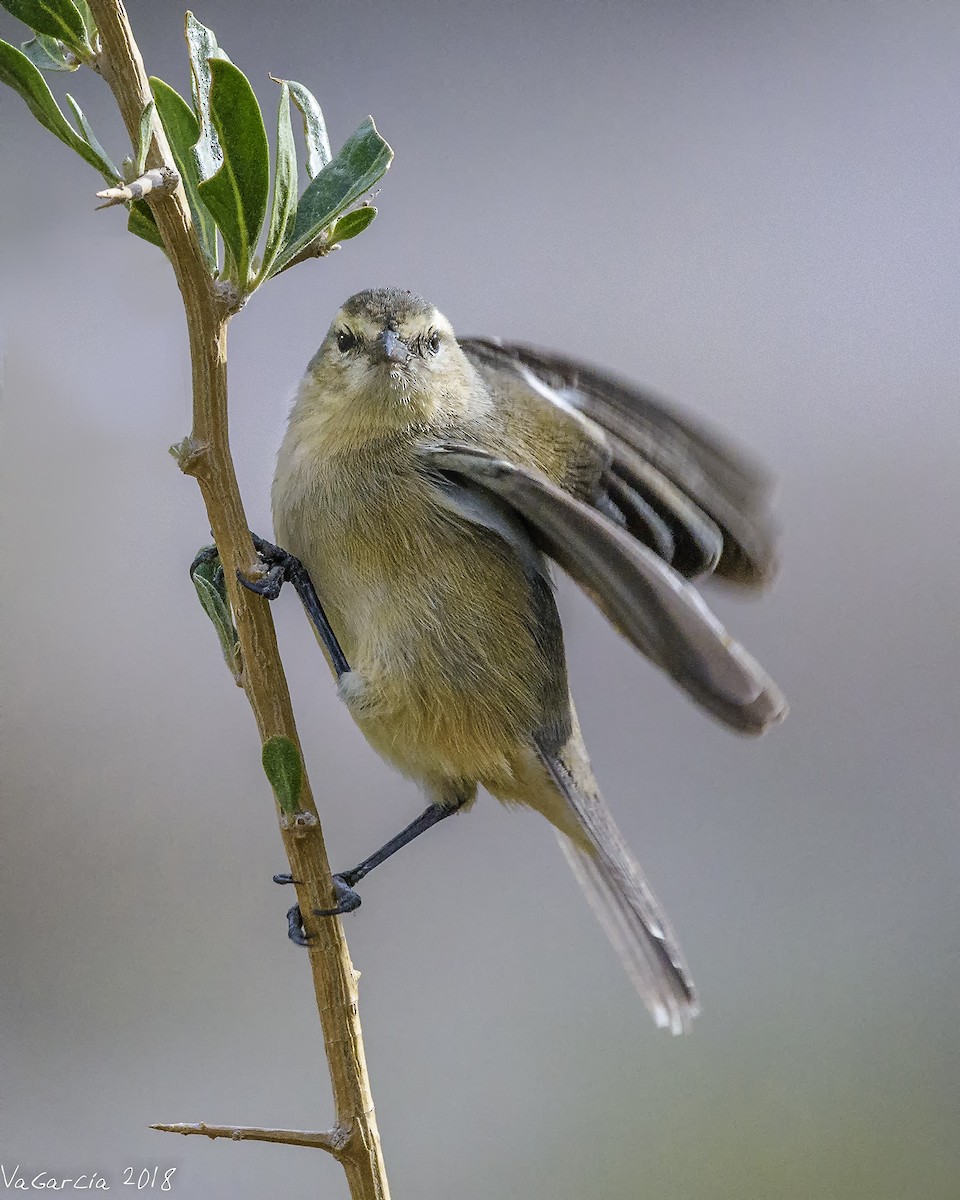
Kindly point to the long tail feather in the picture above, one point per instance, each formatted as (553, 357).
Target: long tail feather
(664, 987)
(627, 909)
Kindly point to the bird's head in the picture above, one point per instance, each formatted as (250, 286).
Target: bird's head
(390, 360)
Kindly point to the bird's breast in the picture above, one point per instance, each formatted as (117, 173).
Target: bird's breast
(433, 613)
(396, 571)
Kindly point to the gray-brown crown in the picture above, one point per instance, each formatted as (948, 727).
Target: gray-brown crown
(387, 306)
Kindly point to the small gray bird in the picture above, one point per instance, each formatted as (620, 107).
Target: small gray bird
(424, 484)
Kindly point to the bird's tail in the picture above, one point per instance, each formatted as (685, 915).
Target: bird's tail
(618, 893)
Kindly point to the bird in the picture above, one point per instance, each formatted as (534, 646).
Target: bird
(426, 485)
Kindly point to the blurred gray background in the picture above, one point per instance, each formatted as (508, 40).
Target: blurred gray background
(750, 207)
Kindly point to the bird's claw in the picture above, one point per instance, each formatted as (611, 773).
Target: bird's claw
(347, 901)
(295, 931)
(279, 565)
(268, 585)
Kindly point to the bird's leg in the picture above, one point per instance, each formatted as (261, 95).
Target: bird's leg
(284, 568)
(344, 882)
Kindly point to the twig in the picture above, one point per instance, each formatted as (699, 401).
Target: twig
(162, 179)
(333, 1142)
(334, 979)
(318, 248)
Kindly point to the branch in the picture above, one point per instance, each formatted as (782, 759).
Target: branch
(163, 179)
(207, 313)
(333, 1142)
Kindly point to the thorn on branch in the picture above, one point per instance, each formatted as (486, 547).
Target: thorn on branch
(335, 1142)
(160, 180)
(189, 454)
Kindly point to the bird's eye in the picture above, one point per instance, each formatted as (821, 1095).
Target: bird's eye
(433, 341)
(345, 340)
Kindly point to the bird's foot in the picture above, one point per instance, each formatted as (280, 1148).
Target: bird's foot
(281, 568)
(347, 901)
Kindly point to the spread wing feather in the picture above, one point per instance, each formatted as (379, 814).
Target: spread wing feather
(643, 597)
(710, 495)
(640, 517)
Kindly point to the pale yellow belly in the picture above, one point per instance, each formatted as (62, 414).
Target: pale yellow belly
(435, 620)
(444, 662)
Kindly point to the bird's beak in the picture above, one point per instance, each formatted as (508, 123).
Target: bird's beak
(393, 348)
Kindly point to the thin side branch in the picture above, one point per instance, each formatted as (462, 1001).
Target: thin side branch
(334, 1142)
(318, 248)
(207, 313)
(161, 179)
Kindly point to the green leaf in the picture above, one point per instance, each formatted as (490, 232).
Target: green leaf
(283, 766)
(145, 138)
(183, 131)
(49, 54)
(314, 128)
(88, 22)
(56, 18)
(18, 72)
(353, 223)
(237, 194)
(143, 223)
(202, 44)
(112, 174)
(363, 159)
(284, 205)
(207, 578)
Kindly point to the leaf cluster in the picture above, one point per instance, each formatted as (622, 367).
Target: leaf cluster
(251, 222)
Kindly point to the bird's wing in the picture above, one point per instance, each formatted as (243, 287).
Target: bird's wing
(699, 503)
(648, 601)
